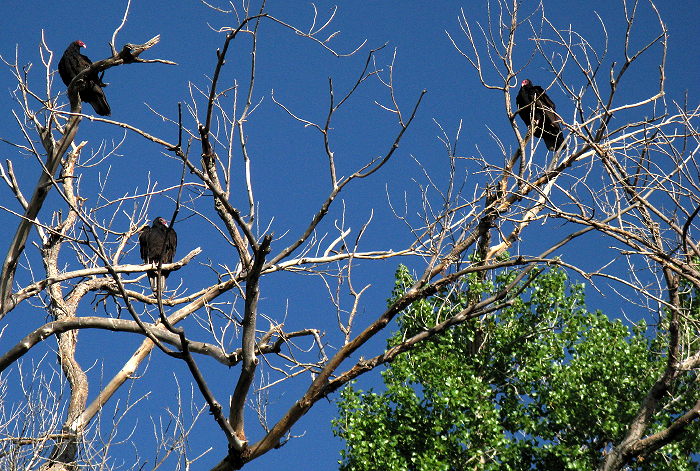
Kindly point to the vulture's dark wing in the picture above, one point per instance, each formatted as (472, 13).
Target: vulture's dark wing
(70, 64)
(170, 245)
(551, 131)
(156, 237)
(545, 101)
(143, 243)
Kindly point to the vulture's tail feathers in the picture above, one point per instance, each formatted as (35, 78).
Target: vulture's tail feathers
(98, 100)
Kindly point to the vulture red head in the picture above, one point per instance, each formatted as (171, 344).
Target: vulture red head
(525, 82)
(162, 221)
(79, 43)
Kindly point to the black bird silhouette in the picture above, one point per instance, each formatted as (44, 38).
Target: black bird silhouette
(538, 111)
(70, 65)
(158, 243)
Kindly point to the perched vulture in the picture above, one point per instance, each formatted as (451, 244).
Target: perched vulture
(536, 109)
(158, 244)
(70, 65)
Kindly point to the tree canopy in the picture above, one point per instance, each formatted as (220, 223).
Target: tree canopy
(541, 384)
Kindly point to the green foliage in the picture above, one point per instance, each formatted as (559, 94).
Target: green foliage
(543, 384)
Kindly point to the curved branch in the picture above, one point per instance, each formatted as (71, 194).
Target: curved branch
(39, 286)
(128, 326)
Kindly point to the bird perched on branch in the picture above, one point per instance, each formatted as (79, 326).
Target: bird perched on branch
(538, 111)
(158, 243)
(70, 65)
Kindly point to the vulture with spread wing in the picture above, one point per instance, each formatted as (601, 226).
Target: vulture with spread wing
(538, 111)
(158, 243)
(70, 65)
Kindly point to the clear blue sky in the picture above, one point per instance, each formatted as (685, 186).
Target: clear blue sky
(288, 161)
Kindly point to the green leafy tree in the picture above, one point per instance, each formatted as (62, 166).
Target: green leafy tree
(542, 384)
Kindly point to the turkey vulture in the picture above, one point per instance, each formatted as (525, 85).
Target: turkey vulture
(158, 244)
(537, 109)
(70, 65)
